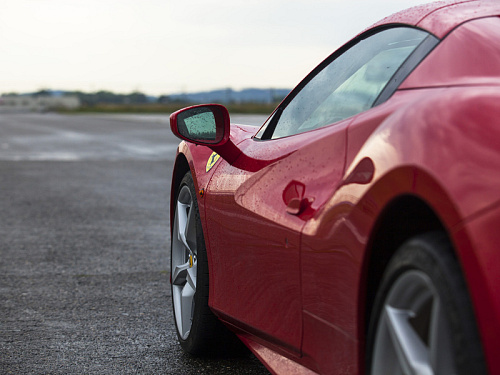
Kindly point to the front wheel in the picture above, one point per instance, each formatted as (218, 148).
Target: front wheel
(198, 330)
(423, 321)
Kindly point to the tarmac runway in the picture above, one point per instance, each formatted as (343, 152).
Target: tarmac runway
(84, 248)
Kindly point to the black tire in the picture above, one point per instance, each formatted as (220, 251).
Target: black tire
(206, 335)
(423, 310)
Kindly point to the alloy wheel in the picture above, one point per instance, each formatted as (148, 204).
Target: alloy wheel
(184, 262)
(413, 335)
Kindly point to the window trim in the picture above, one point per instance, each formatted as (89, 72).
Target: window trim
(411, 62)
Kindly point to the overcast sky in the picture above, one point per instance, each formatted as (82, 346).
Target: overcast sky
(165, 46)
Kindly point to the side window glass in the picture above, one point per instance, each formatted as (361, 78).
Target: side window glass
(351, 83)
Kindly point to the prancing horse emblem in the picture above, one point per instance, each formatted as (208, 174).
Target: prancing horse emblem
(212, 160)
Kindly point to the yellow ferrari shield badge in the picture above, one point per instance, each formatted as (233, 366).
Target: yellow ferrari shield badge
(212, 160)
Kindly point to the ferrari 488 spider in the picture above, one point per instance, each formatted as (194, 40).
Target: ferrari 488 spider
(358, 230)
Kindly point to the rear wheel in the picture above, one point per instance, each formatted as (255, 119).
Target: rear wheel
(423, 321)
(198, 330)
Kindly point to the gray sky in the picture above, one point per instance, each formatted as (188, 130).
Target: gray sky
(165, 46)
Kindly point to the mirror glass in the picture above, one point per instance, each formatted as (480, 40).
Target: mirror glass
(198, 124)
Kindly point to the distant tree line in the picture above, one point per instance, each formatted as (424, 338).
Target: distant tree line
(263, 97)
(94, 98)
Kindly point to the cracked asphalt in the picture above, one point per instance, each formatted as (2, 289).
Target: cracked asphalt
(84, 248)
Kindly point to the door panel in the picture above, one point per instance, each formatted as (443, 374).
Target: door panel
(255, 241)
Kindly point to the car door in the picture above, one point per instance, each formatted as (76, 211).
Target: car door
(256, 210)
(254, 227)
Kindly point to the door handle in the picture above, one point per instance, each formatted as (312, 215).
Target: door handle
(293, 196)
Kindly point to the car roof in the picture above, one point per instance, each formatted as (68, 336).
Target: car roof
(441, 17)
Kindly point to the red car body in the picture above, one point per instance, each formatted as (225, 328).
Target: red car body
(298, 285)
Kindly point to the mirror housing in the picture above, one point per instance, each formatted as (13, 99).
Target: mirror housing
(206, 124)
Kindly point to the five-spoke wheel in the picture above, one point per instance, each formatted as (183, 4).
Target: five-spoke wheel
(423, 321)
(198, 330)
(184, 261)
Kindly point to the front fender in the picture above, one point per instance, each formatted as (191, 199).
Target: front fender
(194, 159)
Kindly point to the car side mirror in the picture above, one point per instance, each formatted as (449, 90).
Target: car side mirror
(206, 124)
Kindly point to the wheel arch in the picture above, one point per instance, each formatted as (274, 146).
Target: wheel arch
(181, 167)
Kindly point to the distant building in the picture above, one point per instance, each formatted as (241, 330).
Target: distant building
(37, 103)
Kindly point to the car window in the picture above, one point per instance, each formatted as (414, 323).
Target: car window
(350, 84)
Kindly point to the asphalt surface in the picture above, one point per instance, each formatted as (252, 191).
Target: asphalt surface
(84, 248)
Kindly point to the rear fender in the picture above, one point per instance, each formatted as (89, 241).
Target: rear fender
(443, 149)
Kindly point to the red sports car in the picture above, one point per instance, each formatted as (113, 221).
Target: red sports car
(358, 230)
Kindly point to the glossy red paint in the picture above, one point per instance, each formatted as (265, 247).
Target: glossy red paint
(290, 225)
(441, 17)
(444, 20)
(479, 65)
